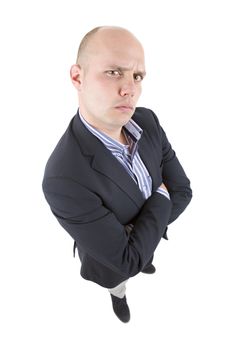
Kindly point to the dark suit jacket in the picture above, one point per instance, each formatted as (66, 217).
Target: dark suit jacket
(94, 198)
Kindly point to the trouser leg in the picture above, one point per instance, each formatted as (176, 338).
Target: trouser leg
(119, 291)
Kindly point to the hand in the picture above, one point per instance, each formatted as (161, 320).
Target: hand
(163, 186)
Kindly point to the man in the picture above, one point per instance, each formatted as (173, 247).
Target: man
(113, 181)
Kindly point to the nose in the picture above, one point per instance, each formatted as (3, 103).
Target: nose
(128, 88)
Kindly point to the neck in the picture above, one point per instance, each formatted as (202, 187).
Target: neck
(116, 135)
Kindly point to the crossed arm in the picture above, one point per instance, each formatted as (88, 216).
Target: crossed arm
(98, 232)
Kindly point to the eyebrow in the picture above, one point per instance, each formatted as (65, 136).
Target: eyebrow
(124, 69)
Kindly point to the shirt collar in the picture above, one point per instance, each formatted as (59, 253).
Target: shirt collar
(132, 131)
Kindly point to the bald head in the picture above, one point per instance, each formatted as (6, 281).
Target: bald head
(107, 75)
(105, 38)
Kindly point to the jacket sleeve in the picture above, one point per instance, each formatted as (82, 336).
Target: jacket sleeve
(175, 179)
(97, 231)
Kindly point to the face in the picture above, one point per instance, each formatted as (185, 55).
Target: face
(109, 85)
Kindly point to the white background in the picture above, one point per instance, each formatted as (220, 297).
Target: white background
(187, 304)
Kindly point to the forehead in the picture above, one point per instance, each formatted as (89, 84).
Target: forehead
(129, 58)
(116, 47)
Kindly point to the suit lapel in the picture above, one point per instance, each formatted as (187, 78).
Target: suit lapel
(102, 161)
(149, 157)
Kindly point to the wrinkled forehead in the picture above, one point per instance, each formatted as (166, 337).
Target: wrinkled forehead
(117, 50)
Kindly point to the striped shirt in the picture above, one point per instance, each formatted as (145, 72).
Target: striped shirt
(128, 155)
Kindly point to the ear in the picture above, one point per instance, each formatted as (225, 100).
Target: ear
(76, 76)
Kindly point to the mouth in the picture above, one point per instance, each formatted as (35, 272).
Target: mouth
(125, 108)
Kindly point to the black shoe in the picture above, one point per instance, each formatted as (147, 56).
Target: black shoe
(149, 269)
(121, 309)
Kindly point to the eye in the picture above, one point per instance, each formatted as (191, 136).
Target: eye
(115, 73)
(138, 77)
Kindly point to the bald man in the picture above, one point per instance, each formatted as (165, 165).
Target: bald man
(113, 181)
